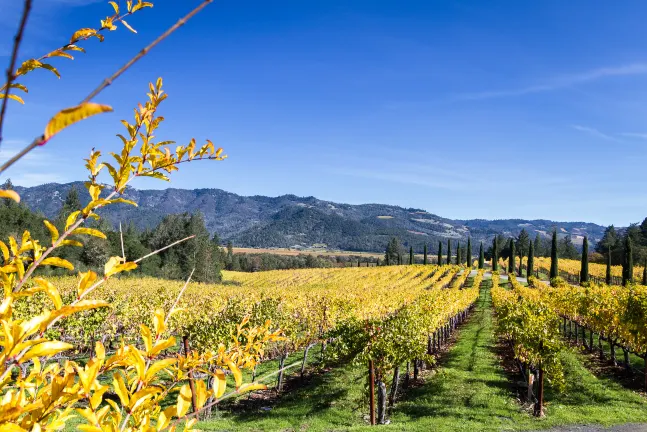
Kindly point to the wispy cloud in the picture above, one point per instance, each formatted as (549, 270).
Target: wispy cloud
(635, 135)
(560, 82)
(594, 132)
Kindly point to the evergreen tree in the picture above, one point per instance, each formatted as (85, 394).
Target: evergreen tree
(584, 270)
(554, 265)
(425, 255)
(71, 204)
(449, 252)
(440, 253)
(411, 261)
(628, 266)
(608, 273)
(511, 258)
(468, 253)
(537, 247)
(495, 255)
(531, 260)
(481, 257)
(523, 240)
(458, 253)
(645, 272)
(393, 250)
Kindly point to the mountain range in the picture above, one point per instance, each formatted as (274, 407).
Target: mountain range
(302, 222)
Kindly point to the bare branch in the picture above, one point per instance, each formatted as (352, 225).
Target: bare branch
(12, 63)
(164, 248)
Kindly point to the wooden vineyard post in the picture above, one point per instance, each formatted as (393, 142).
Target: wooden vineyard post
(531, 380)
(645, 358)
(194, 403)
(371, 396)
(279, 384)
(539, 405)
(394, 386)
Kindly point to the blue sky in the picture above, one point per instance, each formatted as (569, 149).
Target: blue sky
(467, 109)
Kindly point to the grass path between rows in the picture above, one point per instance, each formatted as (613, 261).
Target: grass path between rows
(469, 391)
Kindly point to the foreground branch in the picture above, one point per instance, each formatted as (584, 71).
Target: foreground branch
(12, 63)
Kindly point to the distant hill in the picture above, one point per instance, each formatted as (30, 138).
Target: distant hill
(291, 221)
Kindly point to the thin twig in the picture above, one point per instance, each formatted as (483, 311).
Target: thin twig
(186, 284)
(12, 63)
(164, 248)
(121, 235)
(108, 81)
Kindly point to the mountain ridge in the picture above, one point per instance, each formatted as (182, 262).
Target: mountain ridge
(292, 221)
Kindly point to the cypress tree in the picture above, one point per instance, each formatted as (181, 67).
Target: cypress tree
(399, 259)
(458, 253)
(584, 271)
(554, 269)
(481, 257)
(449, 252)
(531, 259)
(425, 252)
(512, 258)
(628, 270)
(608, 274)
(520, 261)
(377, 263)
(495, 256)
(411, 255)
(645, 272)
(469, 253)
(440, 253)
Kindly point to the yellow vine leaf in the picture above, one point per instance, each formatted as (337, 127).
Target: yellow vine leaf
(14, 97)
(251, 387)
(115, 6)
(52, 230)
(87, 280)
(51, 291)
(10, 194)
(85, 33)
(219, 383)
(71, 219)
(238, 376)
(183, 400)
(89, 231)
(58, 262)
(69, 116)
(46, 349)
(114, 266)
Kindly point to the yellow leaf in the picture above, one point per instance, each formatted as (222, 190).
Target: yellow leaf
(58, 262)
(73, 115)
(14, 97)
(238, 376)
(201, 394)
(219, 383)
(87, 280)
(158, 321)
(165, 417)
(10, 194)
(51, 291)
(115, 6)
(46, 349)
(120, 388)
(128, 26)
(183, 400)
(71, 243)
(52, 230)
(71, 219)
(85, 33)
(251, 387)
(147, 337)
(158, 366)
(89, 231)
(5, 250)
(121, 268)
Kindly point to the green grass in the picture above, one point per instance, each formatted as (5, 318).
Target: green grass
(470, 391)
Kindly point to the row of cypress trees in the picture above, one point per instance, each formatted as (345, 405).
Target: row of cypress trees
(627, 265)
(459, 258)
